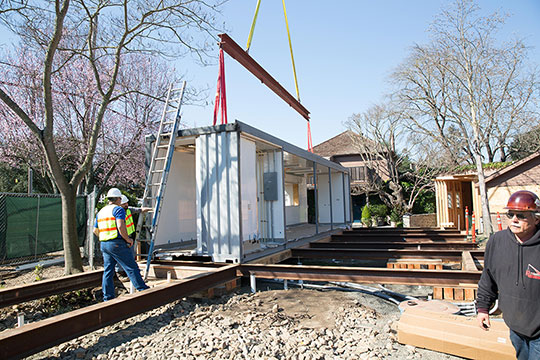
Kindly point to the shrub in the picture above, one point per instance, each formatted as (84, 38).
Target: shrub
(395, 216)
(379, 211)
(425, 203)
(38, 272)
(366, 216)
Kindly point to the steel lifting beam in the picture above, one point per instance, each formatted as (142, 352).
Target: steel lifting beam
(236, 52)
(34, 337)
(19, 294)
(370, 254)
(363, 275)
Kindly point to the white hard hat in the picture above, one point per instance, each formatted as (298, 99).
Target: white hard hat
(114, 193)
(124, 200)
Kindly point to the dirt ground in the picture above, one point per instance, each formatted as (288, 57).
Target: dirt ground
(309, 310)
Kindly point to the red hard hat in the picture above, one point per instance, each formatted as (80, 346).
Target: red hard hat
(523, 200)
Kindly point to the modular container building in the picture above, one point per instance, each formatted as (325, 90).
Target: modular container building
(235, 193)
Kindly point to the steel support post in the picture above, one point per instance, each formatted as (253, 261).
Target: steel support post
(330, 198)
(253, 283)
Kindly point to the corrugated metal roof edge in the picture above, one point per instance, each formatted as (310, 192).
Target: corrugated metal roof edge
(243, 127)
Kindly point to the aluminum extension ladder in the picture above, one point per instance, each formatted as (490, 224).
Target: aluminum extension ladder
(158, 172)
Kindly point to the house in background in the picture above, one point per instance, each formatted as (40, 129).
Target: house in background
(457, 191)
(343, 149)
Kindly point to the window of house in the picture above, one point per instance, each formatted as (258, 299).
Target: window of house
(361, 173)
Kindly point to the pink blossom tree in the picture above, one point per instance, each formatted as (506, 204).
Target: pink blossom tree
(119, 157)
(96, 44)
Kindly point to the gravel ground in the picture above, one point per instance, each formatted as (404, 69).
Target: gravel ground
(271, 324)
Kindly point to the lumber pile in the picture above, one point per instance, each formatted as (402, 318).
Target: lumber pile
(454, 334)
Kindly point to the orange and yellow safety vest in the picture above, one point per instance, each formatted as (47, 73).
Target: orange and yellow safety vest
(129, 222)
(107, 223)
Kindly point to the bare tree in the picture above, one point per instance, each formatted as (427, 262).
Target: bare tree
(388, 148)
(526, 143)
(102, 35)
(467, 92)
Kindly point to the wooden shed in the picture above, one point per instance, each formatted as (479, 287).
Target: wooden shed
(456, 192)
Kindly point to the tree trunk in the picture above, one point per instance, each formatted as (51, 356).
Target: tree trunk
(486, 216)
(72, 254)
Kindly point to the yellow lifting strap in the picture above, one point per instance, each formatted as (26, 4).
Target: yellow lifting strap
(253, 26)
(292, 56)
(310, 146)
(250, 37)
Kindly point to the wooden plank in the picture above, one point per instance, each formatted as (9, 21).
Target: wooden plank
(459, 294)
(438, 293)
(469, 294)
(467, 262)
(273, 258)
(233, 284)
(448, 293)
(416, 261)
(455, 335)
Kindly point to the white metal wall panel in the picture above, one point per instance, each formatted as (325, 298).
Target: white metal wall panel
(338, 215)
(177, 222)
(233, 184)
(248, 189)
(218, 213)
(323, 193)
(274, 163)
(272, 212)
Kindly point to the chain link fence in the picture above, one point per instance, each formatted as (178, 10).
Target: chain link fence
(31, 225)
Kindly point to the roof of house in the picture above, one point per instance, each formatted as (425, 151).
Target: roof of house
(341, 144)
(491, 174)
(523, 162)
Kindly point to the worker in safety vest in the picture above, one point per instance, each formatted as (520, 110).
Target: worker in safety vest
(110, 227)
(130, 210)
(130, 225)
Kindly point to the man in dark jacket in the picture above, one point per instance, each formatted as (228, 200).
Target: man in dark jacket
(511, 274)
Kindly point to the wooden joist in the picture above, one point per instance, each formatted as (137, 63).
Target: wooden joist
(467, 262)
(454, 293)
(431, 264)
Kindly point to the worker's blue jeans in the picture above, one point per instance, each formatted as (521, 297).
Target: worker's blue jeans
(117, 267)
(526, 349)
(114, 251)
